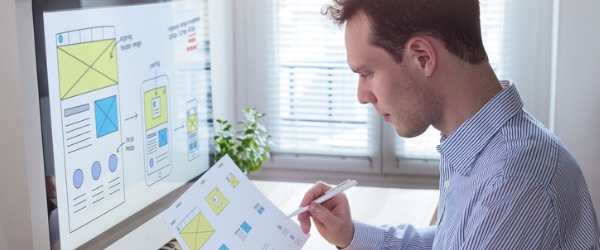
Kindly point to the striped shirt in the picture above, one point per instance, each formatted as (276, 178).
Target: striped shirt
(505, 183)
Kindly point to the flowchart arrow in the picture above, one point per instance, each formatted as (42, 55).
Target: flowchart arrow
(129, 118)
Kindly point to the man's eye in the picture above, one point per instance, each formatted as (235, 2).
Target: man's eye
(366, 75)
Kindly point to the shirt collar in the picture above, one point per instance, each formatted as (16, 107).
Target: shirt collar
(462, 147)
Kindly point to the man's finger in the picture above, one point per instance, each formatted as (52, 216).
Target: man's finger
(315, 192)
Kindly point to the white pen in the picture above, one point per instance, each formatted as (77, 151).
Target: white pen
(328, 195)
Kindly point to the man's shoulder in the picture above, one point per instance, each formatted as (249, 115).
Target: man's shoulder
(532, 150)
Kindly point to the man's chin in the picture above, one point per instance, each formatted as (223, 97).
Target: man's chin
(408, 133)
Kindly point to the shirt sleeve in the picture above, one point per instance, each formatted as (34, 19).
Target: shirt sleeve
(368, 237)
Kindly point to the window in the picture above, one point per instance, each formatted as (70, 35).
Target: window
(313, 107)
(309, 93)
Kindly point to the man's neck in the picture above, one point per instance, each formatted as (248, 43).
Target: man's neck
(466, 89)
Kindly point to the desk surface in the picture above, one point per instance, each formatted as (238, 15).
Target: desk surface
(377, 206)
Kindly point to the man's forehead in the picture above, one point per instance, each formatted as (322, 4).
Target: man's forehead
(360, 19)
(357, 30)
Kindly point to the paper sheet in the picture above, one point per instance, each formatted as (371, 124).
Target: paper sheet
(224, 211)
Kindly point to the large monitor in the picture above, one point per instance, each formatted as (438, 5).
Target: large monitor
(125, 99)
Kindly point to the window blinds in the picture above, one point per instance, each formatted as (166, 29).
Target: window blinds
(313, 107)
(312, 92)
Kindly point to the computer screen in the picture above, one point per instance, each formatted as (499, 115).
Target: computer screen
(125, 98)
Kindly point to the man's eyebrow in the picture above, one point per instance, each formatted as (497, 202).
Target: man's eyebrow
(358, 68)
(363, 65)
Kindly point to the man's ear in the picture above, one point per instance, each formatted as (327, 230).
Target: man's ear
(421, 51)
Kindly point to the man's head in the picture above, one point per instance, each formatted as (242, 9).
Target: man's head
(393, 22)
(401, 92)
(406, 52)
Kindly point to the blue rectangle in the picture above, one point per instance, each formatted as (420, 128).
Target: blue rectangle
(193, 146)
(223, 247)
(107, 118)
(163, 138)
(246, 227)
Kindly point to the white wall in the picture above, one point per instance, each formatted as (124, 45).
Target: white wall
(23, 220)
(222, 52)
(528, 53)
(578, 87)
(11, 154)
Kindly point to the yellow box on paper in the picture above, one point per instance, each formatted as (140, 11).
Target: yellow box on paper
(217, 201)
(197, 232)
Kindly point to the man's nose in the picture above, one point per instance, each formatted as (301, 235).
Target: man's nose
(364, 95)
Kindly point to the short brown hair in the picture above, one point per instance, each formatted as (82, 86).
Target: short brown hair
(394, 22)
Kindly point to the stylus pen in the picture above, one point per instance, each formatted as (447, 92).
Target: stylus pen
(328, 195)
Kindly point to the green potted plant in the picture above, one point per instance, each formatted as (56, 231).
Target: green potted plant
(249, 148)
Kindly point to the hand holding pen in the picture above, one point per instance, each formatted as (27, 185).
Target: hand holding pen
(328, 195)
(331, 215)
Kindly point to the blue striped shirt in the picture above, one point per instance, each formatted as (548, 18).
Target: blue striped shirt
(505, 183)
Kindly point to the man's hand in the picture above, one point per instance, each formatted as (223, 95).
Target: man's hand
(332, 218)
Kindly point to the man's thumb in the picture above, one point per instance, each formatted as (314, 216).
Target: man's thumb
(319, 212)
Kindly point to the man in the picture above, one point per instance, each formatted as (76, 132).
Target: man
(505, 181)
